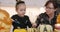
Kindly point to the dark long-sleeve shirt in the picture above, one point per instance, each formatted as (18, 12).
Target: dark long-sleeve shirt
(21, 22)
(44, 19)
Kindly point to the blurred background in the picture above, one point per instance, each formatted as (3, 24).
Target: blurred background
(34, 7)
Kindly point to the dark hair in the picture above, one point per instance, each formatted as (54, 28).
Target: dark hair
(19, 2)
(54, 4)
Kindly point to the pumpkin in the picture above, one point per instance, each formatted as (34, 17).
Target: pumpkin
(58, 19)
(32, 30)
(5, 21)
(57, 26)
(20, 30)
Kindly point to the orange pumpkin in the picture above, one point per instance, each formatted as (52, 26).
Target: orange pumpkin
(57, 26)
(4, 17)
(5, 21)
(58, 19)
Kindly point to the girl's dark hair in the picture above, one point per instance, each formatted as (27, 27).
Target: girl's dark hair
(19, 2)
(54, 4)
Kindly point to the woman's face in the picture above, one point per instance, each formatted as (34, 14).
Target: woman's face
(21, 9)
(50, 8)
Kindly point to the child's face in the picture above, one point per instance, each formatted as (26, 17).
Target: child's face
(21, 9)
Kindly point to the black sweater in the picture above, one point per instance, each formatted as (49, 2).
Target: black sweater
(44, 19)
(21, 22)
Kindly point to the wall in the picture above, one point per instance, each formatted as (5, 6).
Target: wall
(34, 7)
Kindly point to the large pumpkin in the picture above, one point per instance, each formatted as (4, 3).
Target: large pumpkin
(5, 21)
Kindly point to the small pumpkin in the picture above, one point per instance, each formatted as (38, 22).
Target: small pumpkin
(20, 30)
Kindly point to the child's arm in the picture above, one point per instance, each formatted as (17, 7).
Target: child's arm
(29, 23)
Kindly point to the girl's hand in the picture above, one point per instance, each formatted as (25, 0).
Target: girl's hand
(34, 25)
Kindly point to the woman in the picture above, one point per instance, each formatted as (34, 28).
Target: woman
(47, 20)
